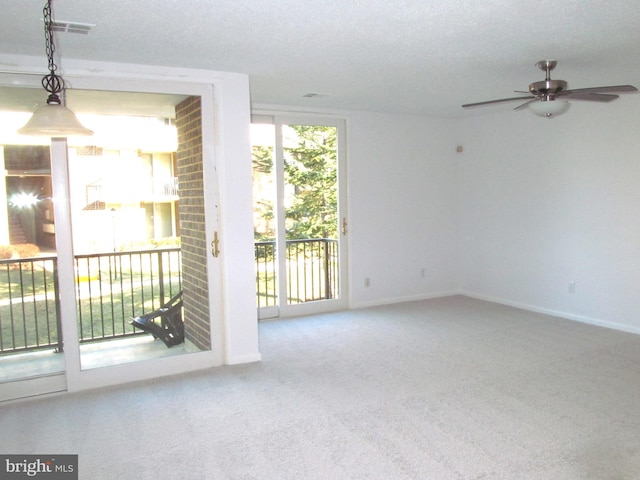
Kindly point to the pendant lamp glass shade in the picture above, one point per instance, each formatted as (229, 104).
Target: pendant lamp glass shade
(54, 120)
(549, 108)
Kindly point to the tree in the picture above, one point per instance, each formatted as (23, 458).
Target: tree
(310, 178)
(310, 169)
(263, 193)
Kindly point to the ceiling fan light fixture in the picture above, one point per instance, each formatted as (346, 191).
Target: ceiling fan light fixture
(53, 119)
(549, 107)
(543, 96)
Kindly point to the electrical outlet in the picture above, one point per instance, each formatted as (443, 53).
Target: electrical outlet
(423, 272)
(367, 282)
(572, 287)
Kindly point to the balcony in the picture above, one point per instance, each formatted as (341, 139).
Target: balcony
(111, 288)
(156, 189)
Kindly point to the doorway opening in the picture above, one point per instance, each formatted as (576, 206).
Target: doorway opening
(300, 222)
(115, 222)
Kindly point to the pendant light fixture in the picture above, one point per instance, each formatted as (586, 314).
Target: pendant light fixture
(53, 119)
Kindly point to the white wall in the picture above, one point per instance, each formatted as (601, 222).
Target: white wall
(402, 207)
(549, 202)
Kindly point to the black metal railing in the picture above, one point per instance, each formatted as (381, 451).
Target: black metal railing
(311, 270)
(266, 284)
(29, 306)
(111, 288)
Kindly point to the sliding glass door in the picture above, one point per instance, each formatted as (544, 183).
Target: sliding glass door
(32, 353)
(300, 220)
(127, 184)
(103, 233)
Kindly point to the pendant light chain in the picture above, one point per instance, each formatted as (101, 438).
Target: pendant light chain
(52, 83)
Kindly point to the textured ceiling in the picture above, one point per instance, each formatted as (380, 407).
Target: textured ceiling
(412, 56)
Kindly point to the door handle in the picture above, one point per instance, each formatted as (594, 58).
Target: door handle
(214, 245)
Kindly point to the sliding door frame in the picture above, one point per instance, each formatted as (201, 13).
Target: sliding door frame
(79, 379)
(74, 378)
(283, 309)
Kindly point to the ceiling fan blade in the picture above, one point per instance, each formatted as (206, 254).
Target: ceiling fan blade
(590, 97)
(489, 102)
(526, 104)
(610, 89)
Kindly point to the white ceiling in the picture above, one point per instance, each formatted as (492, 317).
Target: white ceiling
(406, 56)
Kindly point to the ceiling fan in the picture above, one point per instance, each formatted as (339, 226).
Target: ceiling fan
(549, 98)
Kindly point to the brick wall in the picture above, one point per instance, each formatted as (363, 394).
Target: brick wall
(192, 225)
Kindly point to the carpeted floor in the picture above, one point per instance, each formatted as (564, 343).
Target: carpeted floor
(450, 388)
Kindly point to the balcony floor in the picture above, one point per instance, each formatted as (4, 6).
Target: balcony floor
(20, 366)
(23, 365)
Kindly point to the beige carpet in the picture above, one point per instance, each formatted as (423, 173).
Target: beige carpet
(451, 388)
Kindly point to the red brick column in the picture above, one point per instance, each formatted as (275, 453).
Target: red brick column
(192, 223)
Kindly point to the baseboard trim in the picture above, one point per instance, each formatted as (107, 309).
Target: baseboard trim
(411, 298)
(554, 313)
(240, 359)
(33, 387)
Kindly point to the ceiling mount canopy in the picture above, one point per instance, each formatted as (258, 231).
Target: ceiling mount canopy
(549, 98)
(53, 119)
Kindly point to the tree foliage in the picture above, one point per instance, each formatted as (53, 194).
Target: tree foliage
(310, 178)
(311, 172)
(264, 193)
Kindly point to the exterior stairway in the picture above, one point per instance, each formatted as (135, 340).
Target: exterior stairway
(16, 233)
(97, 205)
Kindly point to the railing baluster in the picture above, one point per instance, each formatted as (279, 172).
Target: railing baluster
(111, 279)
(161, 277)
(35, 304)
(261, 274)
(89, 283)
(1, 322)
(153, 306)
(270, 278)
(309, 260)
(11, 316)
(79, 308)
(56, 289)
(132, 290)
(46, 299)
(141, 278)
(119, 271)
(24, 312)
(100, 302)
(327, 272)
(289, 270)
